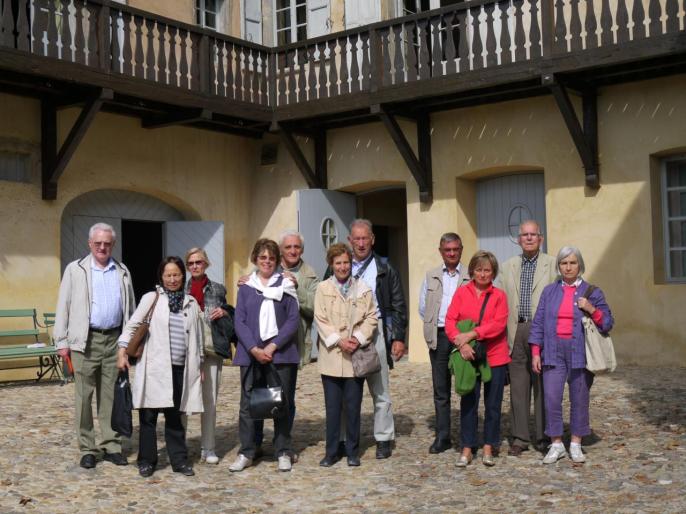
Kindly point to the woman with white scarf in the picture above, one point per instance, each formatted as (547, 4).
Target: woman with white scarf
(266, 323)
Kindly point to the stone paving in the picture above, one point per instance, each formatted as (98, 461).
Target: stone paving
(635, 458)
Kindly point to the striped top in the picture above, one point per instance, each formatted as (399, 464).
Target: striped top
(177, 339)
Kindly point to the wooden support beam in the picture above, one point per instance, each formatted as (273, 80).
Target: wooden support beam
(316, 179)
(420, 166)
(585, 136)
(176, 118)
(54, 165)
(321, 158)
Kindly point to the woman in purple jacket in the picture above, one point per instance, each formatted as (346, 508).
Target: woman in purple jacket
(266, 322)
(558, 350)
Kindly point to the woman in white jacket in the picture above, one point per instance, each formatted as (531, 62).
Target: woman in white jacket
(168, 375)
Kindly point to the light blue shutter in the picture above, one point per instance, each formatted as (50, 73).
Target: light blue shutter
(253, 21)
(317, 18)
(361, 12)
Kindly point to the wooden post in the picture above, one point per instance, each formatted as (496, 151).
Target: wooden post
(104, 39)
(547, 27)
(48, 145)
(376, 60)
(272, 78)
(205, 61)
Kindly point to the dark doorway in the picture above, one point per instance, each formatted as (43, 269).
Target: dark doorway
(142, 253)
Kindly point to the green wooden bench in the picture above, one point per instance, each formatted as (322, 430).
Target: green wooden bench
(48, 360)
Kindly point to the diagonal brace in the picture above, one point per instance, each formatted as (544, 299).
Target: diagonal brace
(420, 166)
(54, 165)
(585, 137)
(176, 118)
(316, 178)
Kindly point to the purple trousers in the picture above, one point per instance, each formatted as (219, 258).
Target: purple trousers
(580, 381)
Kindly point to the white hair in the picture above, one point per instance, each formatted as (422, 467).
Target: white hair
(290, 233)
(364, 222)
(565, 252)
(102, 227)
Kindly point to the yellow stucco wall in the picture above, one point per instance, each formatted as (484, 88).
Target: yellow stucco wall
(611, 226)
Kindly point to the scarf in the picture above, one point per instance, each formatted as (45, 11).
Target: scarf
(343, 287)
(268, 327)
(197, 291)
(175, 299)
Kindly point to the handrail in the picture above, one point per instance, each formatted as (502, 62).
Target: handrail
(449, 41)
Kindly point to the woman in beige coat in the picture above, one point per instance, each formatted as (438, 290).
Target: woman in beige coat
(345, 312)
(168, 375)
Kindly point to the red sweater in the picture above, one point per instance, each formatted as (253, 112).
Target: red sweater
(466, 305)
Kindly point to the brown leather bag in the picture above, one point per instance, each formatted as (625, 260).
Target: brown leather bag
(137, 341)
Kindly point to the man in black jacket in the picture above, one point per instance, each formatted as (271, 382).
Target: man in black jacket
(384, 281)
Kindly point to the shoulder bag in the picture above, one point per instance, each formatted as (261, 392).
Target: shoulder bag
(600, 352)
(137, 341)
(365, 359)
(479, 346)
(267, 399)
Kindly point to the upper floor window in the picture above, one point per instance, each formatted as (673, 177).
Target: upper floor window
(291, 21)
(207, 13)
(674, 217)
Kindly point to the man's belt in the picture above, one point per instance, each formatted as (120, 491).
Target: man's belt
(522, 319)
(105, 331)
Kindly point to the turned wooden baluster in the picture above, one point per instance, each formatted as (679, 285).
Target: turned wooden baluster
(7, 26)
(290, 64)
(53, 50)
(173, 63)
(255, 76)
(127, 51)
(23, 28)
(491, 56)
(37, 27)
(321, 76)
(150, 50)
(505, 42)
(301, 60)
(655, 11)
(575, 27)
(672, 11)
(263, 78)
(622, 21)
(345, 75)
(463, 47)
(116, 50)
(92, 43)
(245, 83)
(606, 37)
(354, 66)
(477, 46)
(591, 26)
(519, 37)
(366, 65)
(450, 50)
(138, 55)
(162, 53)
(411, 56)
(183, 62)
(79, 37)
(398, 65)
(560, 28)
(333, 72)
(638, 16)
(223, 83)
(195, 71)
(65, 32)
(423, 38)
(436, 47)
(535, 49)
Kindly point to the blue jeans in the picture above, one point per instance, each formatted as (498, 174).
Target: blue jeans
(469, 410)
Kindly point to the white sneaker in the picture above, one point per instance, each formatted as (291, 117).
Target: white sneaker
(576, 454)
(554, 454)
(209, 456)
(240, 463)
(285, 462)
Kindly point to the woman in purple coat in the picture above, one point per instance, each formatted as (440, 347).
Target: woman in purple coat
(266, 322)
(558, 350)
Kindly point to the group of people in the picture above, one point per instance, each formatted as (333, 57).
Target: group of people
(529, 317)
(530, 326)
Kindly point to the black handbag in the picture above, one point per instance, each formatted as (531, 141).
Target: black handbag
(266, 397)
(122, 406)
(479, 346)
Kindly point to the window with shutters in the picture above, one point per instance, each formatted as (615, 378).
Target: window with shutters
(290, 20)
(15, 166)
(673, 183)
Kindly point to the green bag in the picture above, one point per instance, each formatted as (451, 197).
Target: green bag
(465, 372)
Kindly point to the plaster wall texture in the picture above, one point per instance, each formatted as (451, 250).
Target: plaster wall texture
(205, 175)
(611, 226)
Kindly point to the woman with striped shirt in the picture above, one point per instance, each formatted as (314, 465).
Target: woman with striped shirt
(168, 375)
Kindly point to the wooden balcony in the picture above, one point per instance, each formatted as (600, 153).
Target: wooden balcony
(168, 72)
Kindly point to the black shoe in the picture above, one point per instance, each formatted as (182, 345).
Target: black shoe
(327, 462)
(185, 469)
(87, 461)
(383, 449)
(115, 458)
(146, 470)
(440, 446)
(354, 461)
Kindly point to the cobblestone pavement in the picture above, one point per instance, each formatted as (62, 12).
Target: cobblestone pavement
(635, 458)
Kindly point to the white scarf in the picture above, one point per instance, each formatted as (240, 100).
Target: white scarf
(268, 328)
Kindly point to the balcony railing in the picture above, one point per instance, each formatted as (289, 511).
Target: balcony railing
(452, 41)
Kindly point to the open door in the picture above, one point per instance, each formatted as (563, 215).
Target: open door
(324, 218)
(181, 236)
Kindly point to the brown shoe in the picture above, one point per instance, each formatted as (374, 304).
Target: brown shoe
(515, 450)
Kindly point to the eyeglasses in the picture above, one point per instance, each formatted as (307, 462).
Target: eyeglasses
(529, 234)
(195, 263)
(105, 244)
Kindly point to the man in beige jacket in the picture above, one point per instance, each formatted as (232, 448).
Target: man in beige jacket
(523, 278)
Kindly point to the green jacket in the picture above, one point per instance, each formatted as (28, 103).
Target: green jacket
(307, 286)
(466, 371)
